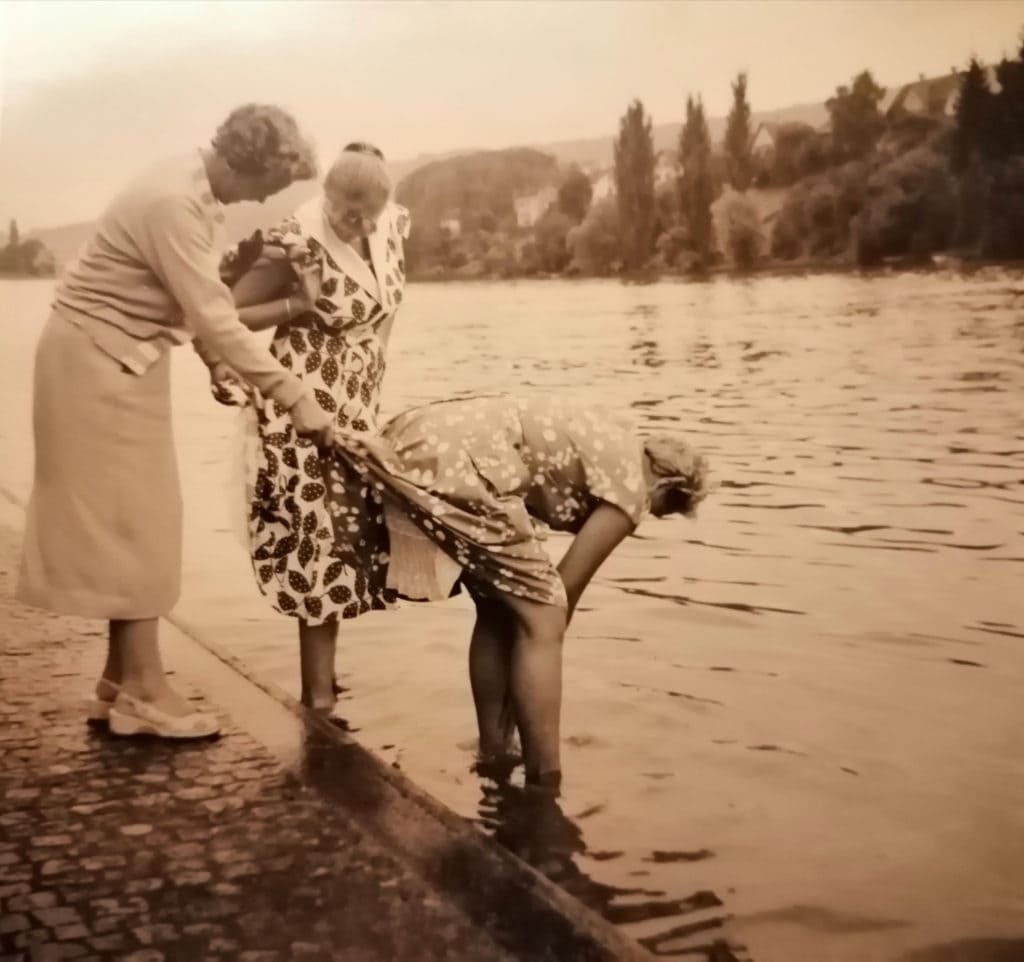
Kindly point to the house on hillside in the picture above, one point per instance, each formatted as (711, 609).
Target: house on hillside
(531, 208)
(762, 144)
(603, 185)
(602, 182)
(666, 167)
(451, 223)
(929, 97)
(934, 97)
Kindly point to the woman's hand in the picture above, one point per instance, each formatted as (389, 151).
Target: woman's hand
(227, 387)
(221, 373)
(309, 277)
(312, 421)
(373, 445)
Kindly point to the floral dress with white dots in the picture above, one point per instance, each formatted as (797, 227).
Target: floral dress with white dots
(317, 534)
(475, 474)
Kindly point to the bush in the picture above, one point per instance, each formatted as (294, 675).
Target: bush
(744, 237)
(551, 239)
(670, 245)
(787, 242)
(1003, 236)
(827, 229)
(909, 131)
(850, 181)
(667, 211)
(799, 151)
(595, 243)
(972, 205)
(813, 221)
(818, 214)
(910, 208)
(499, 257)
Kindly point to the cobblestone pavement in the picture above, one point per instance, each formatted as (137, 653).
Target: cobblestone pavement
(145, 850)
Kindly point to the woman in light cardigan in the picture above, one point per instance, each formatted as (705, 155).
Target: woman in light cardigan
(103, 530)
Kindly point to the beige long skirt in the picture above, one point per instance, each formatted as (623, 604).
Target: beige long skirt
(103, 532)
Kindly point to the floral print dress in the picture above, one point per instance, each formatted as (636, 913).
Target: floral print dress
(474, 474)
(317, 534)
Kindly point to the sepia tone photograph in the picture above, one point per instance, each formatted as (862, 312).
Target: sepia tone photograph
(490, 480)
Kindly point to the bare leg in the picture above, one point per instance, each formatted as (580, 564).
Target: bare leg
(490, 651)
(536, 681)
(113, 673)
(135, 648)
(317, 647)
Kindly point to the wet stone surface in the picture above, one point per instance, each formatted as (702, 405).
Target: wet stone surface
(145, 850)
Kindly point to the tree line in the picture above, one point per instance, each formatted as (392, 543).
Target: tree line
(933, 167)
(904, 184)
(25, 258)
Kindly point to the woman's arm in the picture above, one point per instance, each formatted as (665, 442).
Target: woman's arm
(597, 539)
(274, 313)
(275, 277)
(178, 246)
(267, 279)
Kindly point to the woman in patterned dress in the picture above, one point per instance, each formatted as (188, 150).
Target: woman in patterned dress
(473, 475)
(317, 534)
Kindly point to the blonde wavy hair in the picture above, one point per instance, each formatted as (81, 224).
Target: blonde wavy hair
(358, 172)
(679, 468)
(261, 139)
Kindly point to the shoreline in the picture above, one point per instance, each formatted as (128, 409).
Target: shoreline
(938, 263)
(961, 267)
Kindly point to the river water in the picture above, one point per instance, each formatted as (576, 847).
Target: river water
(794, 727)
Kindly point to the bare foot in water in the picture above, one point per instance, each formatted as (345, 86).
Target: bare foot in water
(498, 768)
(548, 783)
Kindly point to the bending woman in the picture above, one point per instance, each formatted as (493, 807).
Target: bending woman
(473, 476)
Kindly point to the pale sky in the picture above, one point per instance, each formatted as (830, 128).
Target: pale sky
(92, 90)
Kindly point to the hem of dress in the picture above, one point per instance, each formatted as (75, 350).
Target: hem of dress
(336, 615)
(84, 605)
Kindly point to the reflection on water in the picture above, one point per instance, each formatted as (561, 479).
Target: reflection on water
(644, 345)
(793, 725)
(971, 950)
(533, 826)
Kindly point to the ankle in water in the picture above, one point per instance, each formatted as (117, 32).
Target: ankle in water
(497, 768)
(547, 782)
(321, 704)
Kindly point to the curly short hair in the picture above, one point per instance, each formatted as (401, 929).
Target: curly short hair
(261, 139)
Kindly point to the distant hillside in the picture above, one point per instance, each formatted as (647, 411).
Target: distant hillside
(594, 153)
(597, 152)
(479, 186)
